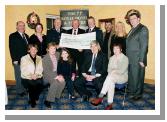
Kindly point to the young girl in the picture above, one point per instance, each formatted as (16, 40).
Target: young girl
(66, 69)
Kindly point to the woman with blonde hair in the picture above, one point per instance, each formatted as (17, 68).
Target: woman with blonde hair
(119, 37)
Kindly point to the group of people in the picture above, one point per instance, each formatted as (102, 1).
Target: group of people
(114, 57)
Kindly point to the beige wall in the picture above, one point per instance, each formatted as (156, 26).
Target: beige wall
(15, 13)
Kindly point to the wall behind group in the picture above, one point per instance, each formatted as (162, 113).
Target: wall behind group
(15, 13)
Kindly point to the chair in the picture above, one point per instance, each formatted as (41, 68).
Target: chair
(122, 87)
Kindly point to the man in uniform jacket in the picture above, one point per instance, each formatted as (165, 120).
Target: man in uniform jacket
(18, 42)
(76, 54)
(54, 34)
(136, 50)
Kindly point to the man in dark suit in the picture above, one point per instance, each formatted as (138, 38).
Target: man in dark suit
(92, 28)
(136, 50)
(54, 34)
(77, 55)
(94, 71)
(18, 42)
(106, 47)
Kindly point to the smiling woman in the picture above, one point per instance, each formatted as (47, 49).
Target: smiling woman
(31, 74)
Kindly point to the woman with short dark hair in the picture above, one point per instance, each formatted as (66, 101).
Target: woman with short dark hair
(39, 39)
(136, 51)
(31, 73)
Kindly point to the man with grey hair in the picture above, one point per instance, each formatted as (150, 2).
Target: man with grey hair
(54, 34)
(94, 71)
(18, 42)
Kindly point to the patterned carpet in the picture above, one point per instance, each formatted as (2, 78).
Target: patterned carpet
(21, 103)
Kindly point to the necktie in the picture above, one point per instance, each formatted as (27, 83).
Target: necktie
(24, 38)
(75, 33)
(90, 30)
(93, 71)
(58, 30)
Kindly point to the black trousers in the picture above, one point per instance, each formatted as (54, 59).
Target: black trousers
(70, 85)
(80, 85)
(77, 59)
(34, 88)
(136, 79)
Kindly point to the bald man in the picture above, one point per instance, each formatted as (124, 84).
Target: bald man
(18, 42)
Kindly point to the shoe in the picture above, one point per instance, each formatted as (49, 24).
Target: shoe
(96, 101)
(73, 97)
(47, 104)
(109, 107)
(33, 104)
(85, 98)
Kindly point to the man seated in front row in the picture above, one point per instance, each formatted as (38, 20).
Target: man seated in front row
(94, 70)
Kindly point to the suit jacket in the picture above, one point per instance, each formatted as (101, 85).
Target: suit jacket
(54, 36)
(28, 68)
(109, 43)
(101, 63)
(74, 52)
(80, 31)
(41, 46)
(17, 46)
(137, 45)
(48, 73)
(99, 35)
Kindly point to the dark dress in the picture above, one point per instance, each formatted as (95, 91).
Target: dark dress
(41, 45)
(66, 70)
(118, 40)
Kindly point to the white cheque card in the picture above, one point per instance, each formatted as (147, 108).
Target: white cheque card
(80, 41)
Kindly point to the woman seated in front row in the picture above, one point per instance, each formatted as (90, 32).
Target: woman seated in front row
(117, 73)
(56, 82)
(31, 73)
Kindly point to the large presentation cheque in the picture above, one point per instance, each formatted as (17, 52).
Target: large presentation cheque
(80, 41)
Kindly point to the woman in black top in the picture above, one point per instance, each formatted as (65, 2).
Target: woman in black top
(119, 37)
(39, 39)
(66, 69)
